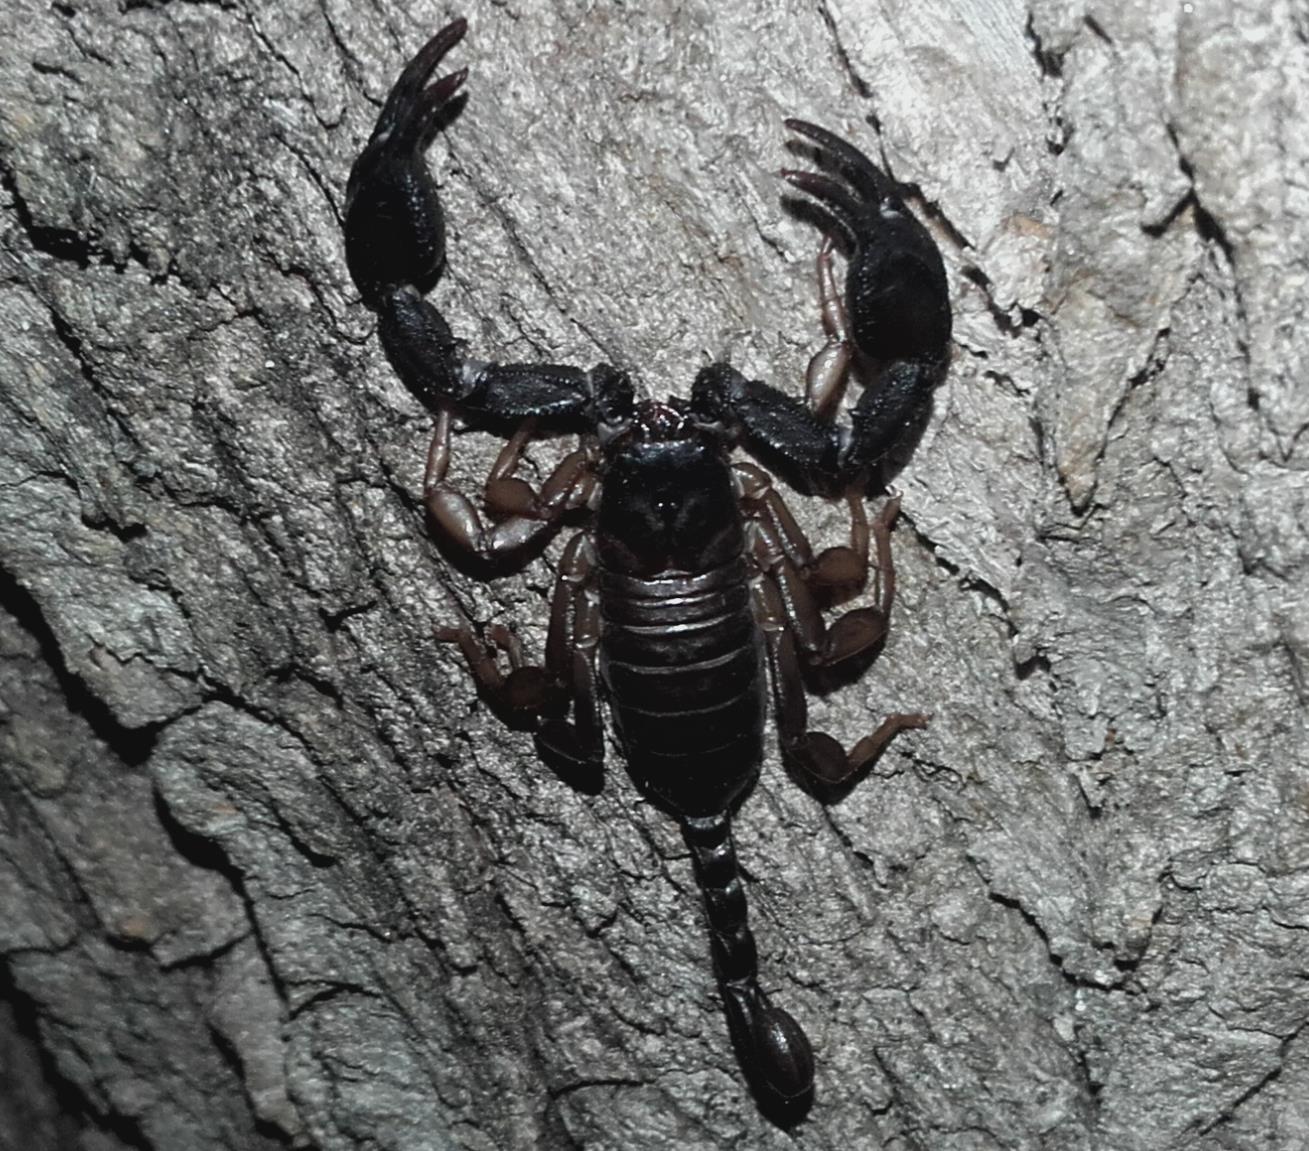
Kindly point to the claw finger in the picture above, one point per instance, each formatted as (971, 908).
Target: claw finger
(419, 125)
(864, 176)
(834, 197)
(394, 230)
(415, 74)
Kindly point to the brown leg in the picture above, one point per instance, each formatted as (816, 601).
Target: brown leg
(522, 515)
(520, 696)
(537, 698)
(575, 750)
(836, 573)
(806, 581)
(821, 764)
(829, 370)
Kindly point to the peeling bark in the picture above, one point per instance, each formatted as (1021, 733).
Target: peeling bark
(269, 873)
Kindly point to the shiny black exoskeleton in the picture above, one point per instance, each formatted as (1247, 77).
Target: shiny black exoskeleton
(689, 587)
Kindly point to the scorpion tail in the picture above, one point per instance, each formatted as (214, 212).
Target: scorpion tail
(772, 1048)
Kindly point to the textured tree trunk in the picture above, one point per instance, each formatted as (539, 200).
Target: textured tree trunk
(270, 874)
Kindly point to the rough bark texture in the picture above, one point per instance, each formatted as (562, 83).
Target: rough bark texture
(269, 873)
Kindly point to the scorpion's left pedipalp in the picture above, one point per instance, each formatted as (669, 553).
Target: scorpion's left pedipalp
(869, 182)
(894, 324)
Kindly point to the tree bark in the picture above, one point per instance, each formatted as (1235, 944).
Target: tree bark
(271, 875)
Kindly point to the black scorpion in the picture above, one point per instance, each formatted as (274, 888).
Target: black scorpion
(693, 577)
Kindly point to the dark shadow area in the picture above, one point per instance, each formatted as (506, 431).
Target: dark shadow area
(40, 1110)
(132, 745)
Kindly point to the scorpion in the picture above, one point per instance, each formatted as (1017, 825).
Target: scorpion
(690, 586)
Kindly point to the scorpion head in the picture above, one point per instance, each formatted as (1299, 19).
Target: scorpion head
(670, 505)
(654, 428)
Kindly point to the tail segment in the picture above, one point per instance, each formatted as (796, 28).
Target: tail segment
(771, 1047)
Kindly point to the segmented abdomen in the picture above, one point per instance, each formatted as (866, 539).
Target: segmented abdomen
(682, 660)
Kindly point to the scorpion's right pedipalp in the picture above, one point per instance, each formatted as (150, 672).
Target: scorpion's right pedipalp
(395, 249)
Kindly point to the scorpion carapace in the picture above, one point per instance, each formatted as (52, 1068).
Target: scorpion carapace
(688, 587)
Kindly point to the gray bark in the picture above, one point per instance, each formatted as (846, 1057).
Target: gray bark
(270, 874)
